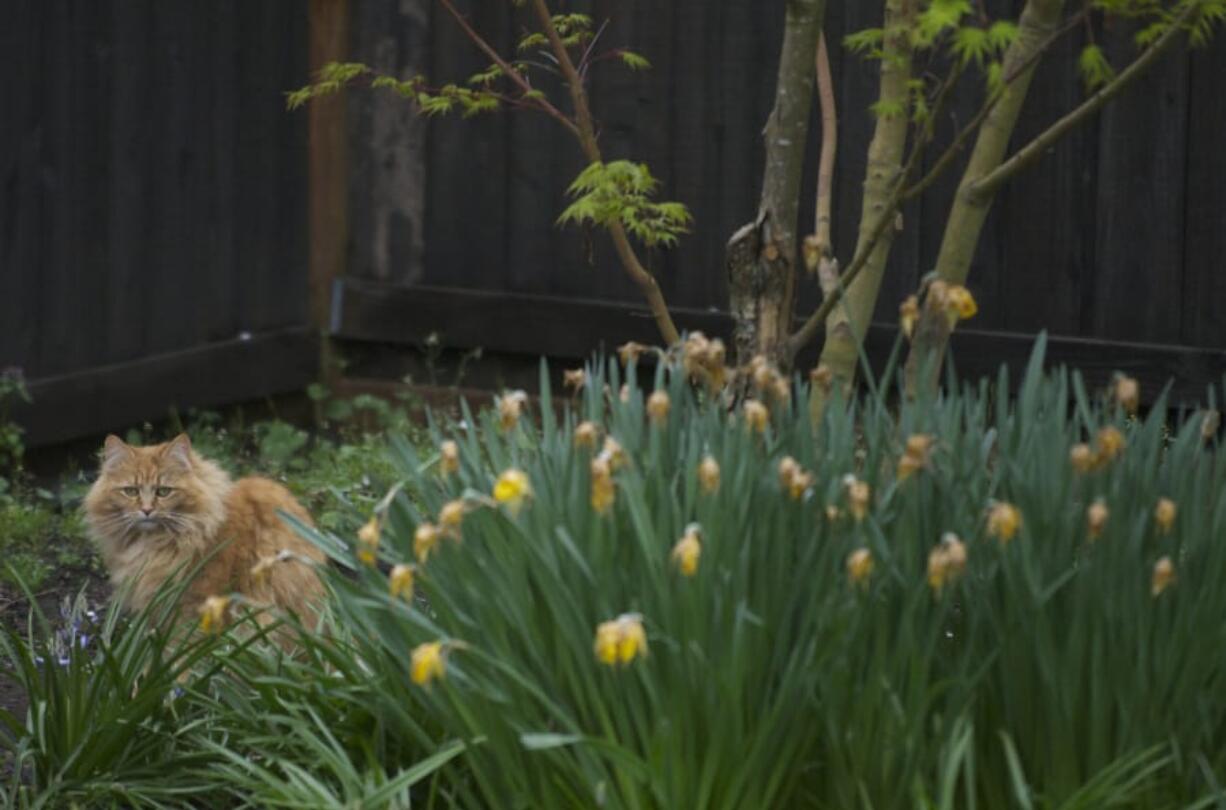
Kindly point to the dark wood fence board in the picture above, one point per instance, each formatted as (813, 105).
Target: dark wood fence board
(217, 221)
(152, 187)
(570, 329)
(466, 209)
(1046, 216)
(1044, 257)
(1204, 289)
(94, 69)
(113, 397)
(29, 212)
(56, 346)
(387, 182)
(17, 181)
(131, 259)
(286, 243)
(1142, 167)
(172, 313)
(256, 157)
(697, 144)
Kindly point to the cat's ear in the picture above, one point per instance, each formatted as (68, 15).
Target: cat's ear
(180, 449)
(114, 450)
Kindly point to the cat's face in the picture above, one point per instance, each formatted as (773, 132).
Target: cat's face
(145, 490)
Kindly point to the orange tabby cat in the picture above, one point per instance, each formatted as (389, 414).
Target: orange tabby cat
(161, 509)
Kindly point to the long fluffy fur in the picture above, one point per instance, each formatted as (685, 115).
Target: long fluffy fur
(145, 539)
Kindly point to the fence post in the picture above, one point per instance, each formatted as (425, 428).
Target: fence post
(327, 170)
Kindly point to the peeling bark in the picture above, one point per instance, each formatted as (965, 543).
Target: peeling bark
(762, 256)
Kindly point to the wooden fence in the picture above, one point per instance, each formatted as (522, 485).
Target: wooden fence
(1115, 239)
(152, 206)
(170, 235)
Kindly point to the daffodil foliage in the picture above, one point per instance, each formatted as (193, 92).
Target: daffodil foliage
(925, 604)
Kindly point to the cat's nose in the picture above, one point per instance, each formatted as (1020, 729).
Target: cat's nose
(146, 510)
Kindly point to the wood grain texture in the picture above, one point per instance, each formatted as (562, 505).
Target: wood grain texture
(1142, 152)
(327, 159)
(1203, 296)
(567, 328)
(387, 161)
(1063, 248)
(152, 186)
(113, 397)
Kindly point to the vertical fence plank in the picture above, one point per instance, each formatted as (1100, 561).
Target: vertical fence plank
(131, 260)
(1047, 214)
(17, 39)
(466, 190)
(1204, 203)
(221, 294)
(1137, 283)
(327, 158)
(387, 165)
(543, 159)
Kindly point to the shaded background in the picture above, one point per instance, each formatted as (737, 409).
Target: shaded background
(171, 236)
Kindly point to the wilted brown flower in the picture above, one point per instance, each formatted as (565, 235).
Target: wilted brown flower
(1096, 518)
(822, 377)
(756, 415)
(603, 489)
(450, 517)
(629, 352)
(794, 480)
(1081, 457)
(1110, 443)
(946, 562)
(658, 406)
(960, 302)
(448, 457)
(509, 406)
(574, 378)
(915, 456)
(858, 496)
(1127, 393)
(1163, 578)
(860, 566)
(908, 314)
(1209, 424)
(425, 539)
(586, 434)
(615, 454)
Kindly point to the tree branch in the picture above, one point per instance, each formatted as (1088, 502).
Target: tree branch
(585, 131)
(814, 322)
(955, 146)
(987, 185)
(510, 72)
(830, 139)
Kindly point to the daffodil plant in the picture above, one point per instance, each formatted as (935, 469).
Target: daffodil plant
(648, 595)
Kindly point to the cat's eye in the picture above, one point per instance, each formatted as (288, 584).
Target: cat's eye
(131, 492)
(163, 492)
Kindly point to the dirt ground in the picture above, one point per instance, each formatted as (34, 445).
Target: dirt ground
(15, 612)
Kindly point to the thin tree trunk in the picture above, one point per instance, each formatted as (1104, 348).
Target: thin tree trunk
(761, 256)
(1040, 18)
(847, 324)
(585, 130)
